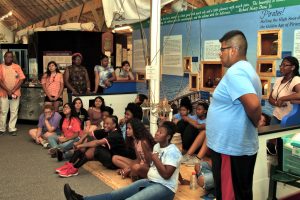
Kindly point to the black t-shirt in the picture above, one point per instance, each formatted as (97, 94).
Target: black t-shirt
(83, 116)
(116, 144)
(100, 134)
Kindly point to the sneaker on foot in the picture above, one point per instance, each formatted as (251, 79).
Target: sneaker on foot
(13, 133)
(62, 168)
(70, 171)
(71, 194)
(46, 145)
(60, 155)
(2, 132)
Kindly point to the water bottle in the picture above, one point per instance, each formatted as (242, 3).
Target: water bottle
(193, 181)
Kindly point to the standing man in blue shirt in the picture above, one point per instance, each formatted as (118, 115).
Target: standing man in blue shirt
(232, 120)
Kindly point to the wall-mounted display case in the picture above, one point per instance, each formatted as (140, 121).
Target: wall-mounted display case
(140, 77)
(265, 87)
(211, 74)
(187, 64)
(266, 67)
(194, 82)
(269, 43)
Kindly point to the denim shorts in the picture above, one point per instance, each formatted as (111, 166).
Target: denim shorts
(207, 174)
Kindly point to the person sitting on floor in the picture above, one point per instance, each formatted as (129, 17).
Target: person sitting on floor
(70, 129)
(137, 136)
(190, 126)
(95, 113)
(82, 114)
(203, 168)
(102, 149)
(86, 136)
(131, 111)
(48, 125)
(141, 99)
(162, 181)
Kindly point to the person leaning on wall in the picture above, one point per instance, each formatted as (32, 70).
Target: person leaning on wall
(286, 89)
(76, 78)
(124, 73)
(104, 75)
(11, 79)
(232, 118)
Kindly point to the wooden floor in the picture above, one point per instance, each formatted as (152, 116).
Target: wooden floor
(115, 181)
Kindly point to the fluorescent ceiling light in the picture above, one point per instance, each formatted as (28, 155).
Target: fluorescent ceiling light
(122, 28)
(6, 16)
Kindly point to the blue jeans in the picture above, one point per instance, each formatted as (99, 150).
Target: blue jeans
(207, 174)
(141, 189)
(53, 141)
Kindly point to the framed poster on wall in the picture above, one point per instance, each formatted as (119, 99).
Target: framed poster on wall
(62, 58)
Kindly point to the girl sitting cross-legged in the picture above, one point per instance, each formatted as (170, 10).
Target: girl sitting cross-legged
(87, 136)
(102, 149)
(70, 128)
(162, 181)
(137, 136)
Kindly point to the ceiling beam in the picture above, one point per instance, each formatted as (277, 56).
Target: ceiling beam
(99, 19)
(47, 8)
(27, 9)
(18, 15)
(80, 13)
(64, 16)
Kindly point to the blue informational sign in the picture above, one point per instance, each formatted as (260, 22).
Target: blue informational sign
(194, 59)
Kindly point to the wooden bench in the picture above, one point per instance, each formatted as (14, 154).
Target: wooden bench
(112, 179)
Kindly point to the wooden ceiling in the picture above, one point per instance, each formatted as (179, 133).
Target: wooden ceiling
(42, 13)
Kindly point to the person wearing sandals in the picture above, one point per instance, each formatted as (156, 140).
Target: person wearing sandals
(95, 113)
(102, 149)
(137, 136)
(162, 181)
(70, 128)
(53, 85)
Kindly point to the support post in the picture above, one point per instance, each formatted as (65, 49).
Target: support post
(154, 60)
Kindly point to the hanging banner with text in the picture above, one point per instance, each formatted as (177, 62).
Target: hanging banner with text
(238, 7)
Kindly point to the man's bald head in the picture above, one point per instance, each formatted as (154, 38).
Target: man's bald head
(236, 39)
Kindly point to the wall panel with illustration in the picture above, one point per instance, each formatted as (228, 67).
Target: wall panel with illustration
(272, 16)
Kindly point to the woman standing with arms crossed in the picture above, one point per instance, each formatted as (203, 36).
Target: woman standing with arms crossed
(53, 85)
(286, 89)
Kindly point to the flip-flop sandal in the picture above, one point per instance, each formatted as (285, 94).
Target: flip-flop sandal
(119, 171)
(125, 173)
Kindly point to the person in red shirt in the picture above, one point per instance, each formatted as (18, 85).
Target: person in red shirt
(70, 128)
(11, 79)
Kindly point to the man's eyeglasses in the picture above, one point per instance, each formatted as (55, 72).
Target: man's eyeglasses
(224, 48)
